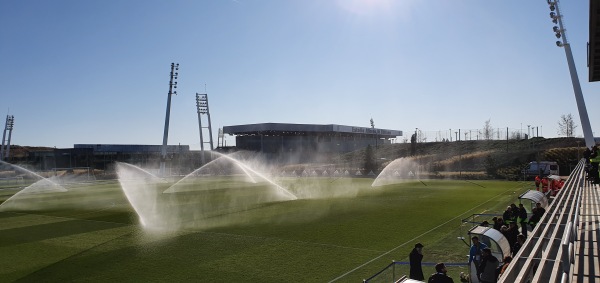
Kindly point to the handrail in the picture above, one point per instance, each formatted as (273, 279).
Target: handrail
(548, 254)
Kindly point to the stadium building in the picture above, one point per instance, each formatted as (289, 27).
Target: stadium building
(273, 138)
(99, 156)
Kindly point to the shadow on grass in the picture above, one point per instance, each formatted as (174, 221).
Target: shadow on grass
(8, 215)
(42, 232)
(197, 257)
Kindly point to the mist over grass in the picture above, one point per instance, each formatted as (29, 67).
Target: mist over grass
(234, 221)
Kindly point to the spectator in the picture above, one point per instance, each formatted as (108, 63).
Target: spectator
(416, 256)
(505, 264)
(594, 161)
(512, 233)
(534, 218)
(586, 155)
(475, 252)
(523, 219)
(504, 231)
(498, 222)
(517, 246)
(515, 212)
(488, 266)
(540, 210)
(507, 215)
(440, 275)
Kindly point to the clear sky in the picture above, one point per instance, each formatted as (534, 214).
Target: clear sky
(96, 71)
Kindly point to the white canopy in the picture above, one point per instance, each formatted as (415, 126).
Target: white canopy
(494, 240)
(536, 197)
(498, 244)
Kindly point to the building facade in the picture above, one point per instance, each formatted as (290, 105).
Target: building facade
(271, 138)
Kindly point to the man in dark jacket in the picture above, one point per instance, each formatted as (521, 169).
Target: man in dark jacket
(416, 256)
(440, 275)
(488, 266)
(523, 219)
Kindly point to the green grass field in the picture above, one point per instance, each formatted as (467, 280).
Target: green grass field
(91, 233)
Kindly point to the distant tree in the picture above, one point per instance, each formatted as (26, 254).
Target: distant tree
(516, 135)
(488, 131)
(566, 125)
(421, 137)
(369, 159)
(491, 168)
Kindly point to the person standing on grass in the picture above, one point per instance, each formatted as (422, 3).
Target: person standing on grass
(475, 252)
(440, 275)
(488, 266)
(416, 257)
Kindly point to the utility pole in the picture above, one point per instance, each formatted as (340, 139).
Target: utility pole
(172, 85)
(374, 133)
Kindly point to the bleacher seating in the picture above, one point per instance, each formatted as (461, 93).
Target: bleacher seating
(563, 247)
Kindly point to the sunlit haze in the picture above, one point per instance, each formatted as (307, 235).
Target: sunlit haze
(97, 72)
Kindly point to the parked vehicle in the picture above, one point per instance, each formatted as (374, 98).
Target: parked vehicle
(541, 168)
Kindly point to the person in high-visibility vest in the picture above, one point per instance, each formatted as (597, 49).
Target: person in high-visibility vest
(594, 160)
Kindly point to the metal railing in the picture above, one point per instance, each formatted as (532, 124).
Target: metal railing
(548, 254)
(389, 274)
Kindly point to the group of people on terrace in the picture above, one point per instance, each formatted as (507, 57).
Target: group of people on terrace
(513, 224)
(549, 184)
(487, 266)
(592, 159)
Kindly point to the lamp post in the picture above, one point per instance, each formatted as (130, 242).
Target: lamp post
(374, 133)
(560, 32)
(202, 109)
(172, 85)
(8, 127)
(416, 135)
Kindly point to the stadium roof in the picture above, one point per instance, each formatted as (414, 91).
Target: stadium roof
(594, 42)
(253, 129)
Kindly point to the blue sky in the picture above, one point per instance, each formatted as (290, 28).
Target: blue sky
(97, 71)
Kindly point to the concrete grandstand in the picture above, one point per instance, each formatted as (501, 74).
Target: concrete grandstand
(271, 138)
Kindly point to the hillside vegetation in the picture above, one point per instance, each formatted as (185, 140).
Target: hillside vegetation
(476, 159)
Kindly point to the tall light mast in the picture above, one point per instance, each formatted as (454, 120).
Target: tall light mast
(202, 107)
(8, 127)
(560, 32)
(172, 85)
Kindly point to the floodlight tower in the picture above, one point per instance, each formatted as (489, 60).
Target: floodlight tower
(172, 85)
(8, 127)
(202, 107)
(220, 138)
(560, 32)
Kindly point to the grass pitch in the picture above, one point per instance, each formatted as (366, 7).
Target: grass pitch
(92, 234)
